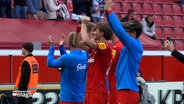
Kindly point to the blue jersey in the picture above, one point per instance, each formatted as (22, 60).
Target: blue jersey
(73, 74)
(130, 56)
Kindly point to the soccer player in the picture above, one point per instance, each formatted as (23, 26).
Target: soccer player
(73, 71)
(117, 47)
(99, 60)
(130, 56)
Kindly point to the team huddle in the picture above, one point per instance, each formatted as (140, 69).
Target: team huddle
(101, 67)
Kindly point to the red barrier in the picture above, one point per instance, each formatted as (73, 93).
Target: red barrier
(154, 68)
(151, 67)
(5, 69)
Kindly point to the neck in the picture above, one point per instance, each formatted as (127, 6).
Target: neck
(114, 39)
(26, 54)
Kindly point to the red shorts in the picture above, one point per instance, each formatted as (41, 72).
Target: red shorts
(62, 102)
(96, 98)
(112, 97)
(127, 97)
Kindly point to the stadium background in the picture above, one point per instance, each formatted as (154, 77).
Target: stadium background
(157, 65)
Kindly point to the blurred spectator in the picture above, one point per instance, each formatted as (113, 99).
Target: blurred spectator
(79, 9)
(57, 10)
(145, 96)
(97, 10)
(5, 9)
(129, 16)
(32, 11)
(168, 44)
(19, 8)
(149, 26)
(42, 10)
(88, 8)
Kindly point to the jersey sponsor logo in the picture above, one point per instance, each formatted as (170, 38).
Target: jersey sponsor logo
(102, 45)
(113, 53)
(81, 67)
(91, 60)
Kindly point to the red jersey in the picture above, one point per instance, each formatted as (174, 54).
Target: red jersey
(115, 55)
(99, 62)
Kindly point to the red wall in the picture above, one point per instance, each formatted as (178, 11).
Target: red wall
(4, 69)
(154, 68)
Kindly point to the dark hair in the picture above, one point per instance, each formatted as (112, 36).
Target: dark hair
(28, 46)
(130, 11)
(105, 28)
(133, 25)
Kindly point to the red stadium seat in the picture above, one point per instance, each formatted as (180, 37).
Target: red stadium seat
(138, 18)
(117, 8)
(147, 8)
(178, 33)
(158, 20)
(125, 7)
(139, 1)
(168, 1)
(178, 21)
(167, 32)
(176, 9)
(168, 21)
(179, 45)
(183, 9)
(167, 9)
(157, 9)
(128, 0)
(117, 1)
(148, 1)
(159, 33)
(137, 7)
(158, 1)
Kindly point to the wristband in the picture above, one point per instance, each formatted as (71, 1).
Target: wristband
(108, 12)
(78, 29)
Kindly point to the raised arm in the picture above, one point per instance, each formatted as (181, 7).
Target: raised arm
(61, 45)
(51, 62)
(170, 46)
(77, 38)
(85, 37)
(117, 28)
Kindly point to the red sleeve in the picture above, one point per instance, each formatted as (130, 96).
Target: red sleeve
(103, 47)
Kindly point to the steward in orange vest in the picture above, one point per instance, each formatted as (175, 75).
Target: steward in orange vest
(27, 79)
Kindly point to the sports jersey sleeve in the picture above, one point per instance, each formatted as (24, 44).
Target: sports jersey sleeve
(55, 63)
(62, 50)
(103, 47)
(120, 32)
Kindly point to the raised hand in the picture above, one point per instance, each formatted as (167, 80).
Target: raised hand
(169, 45)
(86, 19)
(50, 40)
(62, 40)
(108, 5)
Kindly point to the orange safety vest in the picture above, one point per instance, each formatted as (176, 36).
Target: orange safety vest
(33, 79)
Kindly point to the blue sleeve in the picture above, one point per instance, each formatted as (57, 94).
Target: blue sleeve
(120, 32)
(54, 63)
(62, 50)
